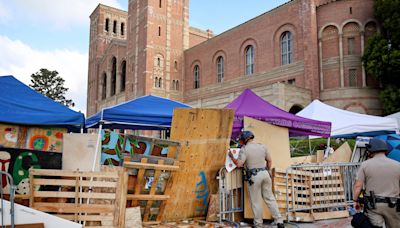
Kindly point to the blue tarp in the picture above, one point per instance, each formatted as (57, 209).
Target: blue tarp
(148, 112)
(19, 104)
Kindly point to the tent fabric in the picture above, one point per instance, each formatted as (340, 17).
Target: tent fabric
(148, 112)
(348, 124)
(396, 116)
(393, 142)
(250, 105)
(19, 104)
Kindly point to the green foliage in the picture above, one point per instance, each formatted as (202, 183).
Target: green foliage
(382, 54)
(51, 85)
(302, 147)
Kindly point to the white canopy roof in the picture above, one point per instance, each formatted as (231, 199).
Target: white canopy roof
(396, 116)
(346, 122)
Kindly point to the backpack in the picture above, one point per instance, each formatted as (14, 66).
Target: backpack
(360, 220)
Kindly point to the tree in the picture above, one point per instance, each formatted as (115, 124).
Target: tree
(382, 54)
(51, 85)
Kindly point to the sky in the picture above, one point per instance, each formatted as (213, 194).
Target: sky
(54, 34)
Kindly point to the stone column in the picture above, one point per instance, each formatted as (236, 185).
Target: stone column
(364, 79)
(341, 64)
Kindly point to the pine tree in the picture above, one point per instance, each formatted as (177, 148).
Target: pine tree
(51, 85)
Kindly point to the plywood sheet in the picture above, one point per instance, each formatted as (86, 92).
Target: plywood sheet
(79, 152)
(9, 135)
(342, 154)
(276, 139)
(45, 139)
(304, 159)
(204, 135)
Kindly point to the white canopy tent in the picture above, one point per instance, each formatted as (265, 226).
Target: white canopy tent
(346, 123)
(396, 116)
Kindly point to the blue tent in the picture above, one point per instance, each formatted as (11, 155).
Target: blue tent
(19, 104)
(393, 142)
(148, 112)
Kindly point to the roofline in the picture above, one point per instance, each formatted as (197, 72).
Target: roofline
(102, 5)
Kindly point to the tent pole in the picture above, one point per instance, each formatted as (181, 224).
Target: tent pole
(97, 146)
(309, 145)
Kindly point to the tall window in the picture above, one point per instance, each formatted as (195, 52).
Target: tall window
(122, 29)
(352, 77)
(115, 27)
(156, 82)
(196, 73)
(160, 3)
(350, 46)
(220, 69)
(113, 75)
(286, 48)
(249, 60)
(177, 85)
(104, 86)
(159, 30)
(107, 25)
(123, 75)
(160, 83)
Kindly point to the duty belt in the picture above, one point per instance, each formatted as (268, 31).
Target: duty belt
(256, 170)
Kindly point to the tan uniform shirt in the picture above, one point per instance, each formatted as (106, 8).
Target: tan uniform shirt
(381, 175)
(253, 155)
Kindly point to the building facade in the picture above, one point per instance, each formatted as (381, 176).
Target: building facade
(297, 52)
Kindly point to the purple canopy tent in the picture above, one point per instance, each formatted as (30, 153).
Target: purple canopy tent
(250, 105)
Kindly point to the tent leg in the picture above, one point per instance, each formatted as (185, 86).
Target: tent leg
(98, 150)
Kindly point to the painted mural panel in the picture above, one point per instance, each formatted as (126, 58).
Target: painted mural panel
(45, 139)
(113, 142)
(8, 135)
(18, 161)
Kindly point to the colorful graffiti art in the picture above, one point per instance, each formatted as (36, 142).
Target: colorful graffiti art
(8, 135)
(113, 142)
(202, 192)
(43, 139)
(17, 162)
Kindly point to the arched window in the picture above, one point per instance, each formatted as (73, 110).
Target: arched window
(249, 60)
(196, 73)
(177, 85)
(113, 75)
(160, 83)
(156, 82)
(158, 61)
(123, 75)
(104, 86)
(115, 27)
(159, 30)
(176, 65)
(286, 48)
(220, 69)
(122, 29)
(160, 4)
(107, 25)
(173, 84)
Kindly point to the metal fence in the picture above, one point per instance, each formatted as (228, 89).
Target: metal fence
(230, 194)
(315, 188)
(7, 178)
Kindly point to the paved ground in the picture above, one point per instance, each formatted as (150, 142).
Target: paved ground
(331, 223)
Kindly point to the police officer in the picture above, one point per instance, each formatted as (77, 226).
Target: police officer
(381, 177)
(257, 161)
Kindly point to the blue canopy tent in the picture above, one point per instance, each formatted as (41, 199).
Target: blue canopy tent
(146, 113)
(19, 104)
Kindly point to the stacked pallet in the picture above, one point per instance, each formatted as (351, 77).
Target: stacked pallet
(312, 193)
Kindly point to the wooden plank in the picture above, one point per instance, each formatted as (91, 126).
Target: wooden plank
(342, 154)
(204, 135)
(72, 208)
(120, 204)
(91, 195)
(167, 192)
(331, 215)
(147, 197)
(57, 172)
(84, 183)
(139, 165)
(152, 191)
(139, 183)
(88, 218)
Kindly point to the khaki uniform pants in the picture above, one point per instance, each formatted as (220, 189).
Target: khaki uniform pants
(382, 215)
(260, 190)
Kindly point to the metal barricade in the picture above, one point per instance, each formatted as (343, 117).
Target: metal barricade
(6, 177)
(230, 194)
(320, 188)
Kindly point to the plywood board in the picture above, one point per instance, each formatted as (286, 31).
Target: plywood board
(9, 135)
(204, 135)
(342, 154)
(276, 139)
(303, 159)
(45, 139)
(79, 152)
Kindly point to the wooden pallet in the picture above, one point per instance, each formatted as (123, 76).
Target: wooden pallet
(314, 192)
(96, 199)
(151, 188)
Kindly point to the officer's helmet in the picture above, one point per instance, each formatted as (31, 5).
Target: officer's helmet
(246, 135)
(377, 145)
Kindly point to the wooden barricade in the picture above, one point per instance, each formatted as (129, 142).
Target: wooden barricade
(96, 199)
(151, 188)
(312, 193)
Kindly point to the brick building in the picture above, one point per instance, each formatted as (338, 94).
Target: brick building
(290, 55)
